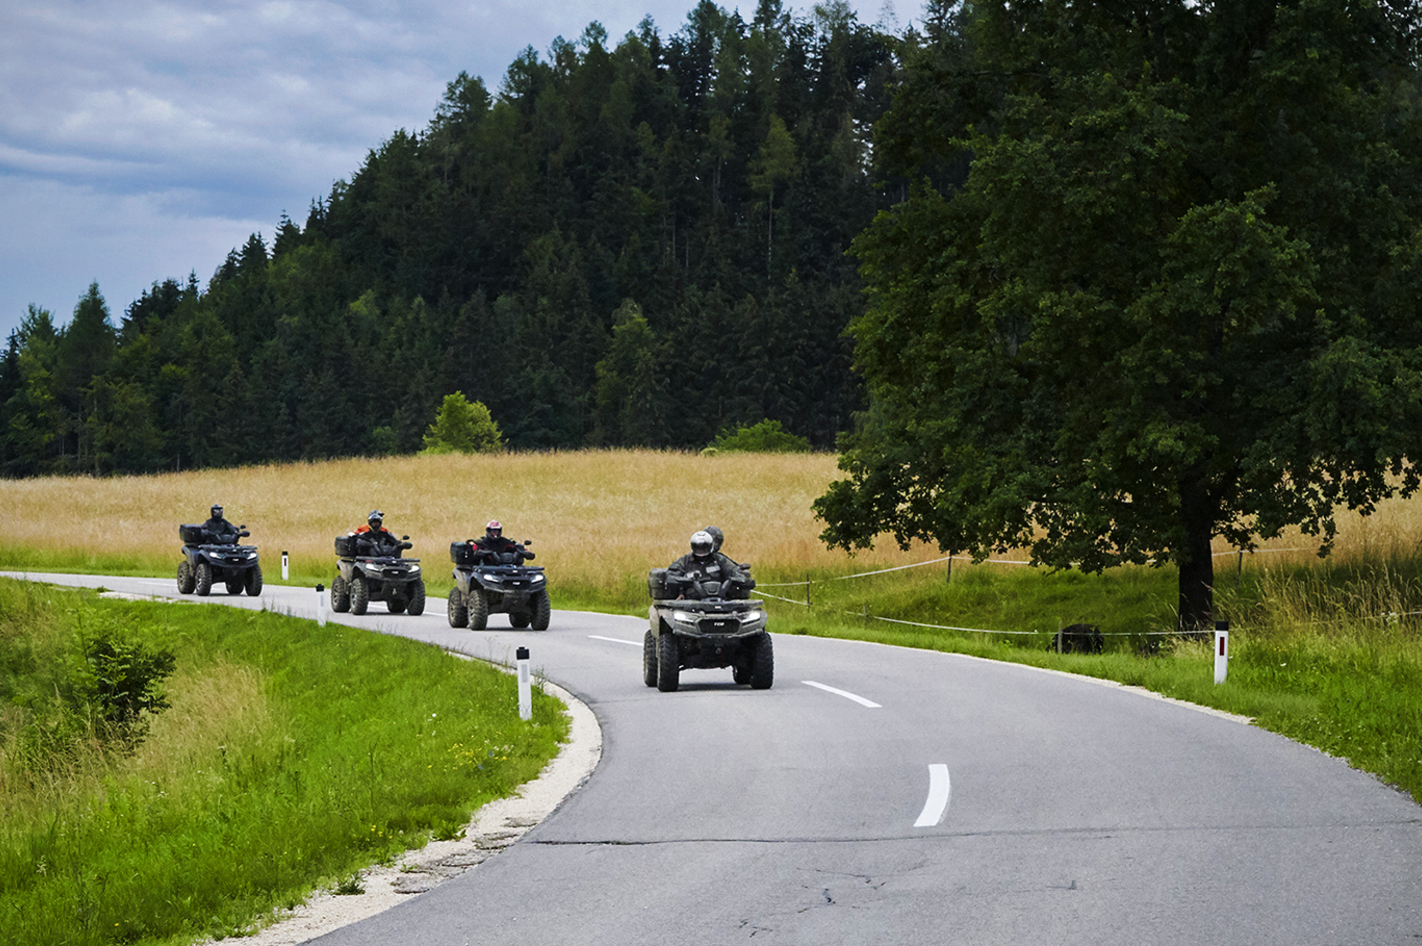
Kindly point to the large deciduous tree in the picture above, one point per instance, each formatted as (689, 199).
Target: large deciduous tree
(1173, 299)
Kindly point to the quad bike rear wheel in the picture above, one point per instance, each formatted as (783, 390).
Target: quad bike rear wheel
(186, 581)
(234, 586)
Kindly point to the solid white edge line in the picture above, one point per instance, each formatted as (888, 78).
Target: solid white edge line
(844, 693)
(939, 790)
(615, 640)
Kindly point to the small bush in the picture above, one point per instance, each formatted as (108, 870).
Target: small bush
(765, 437)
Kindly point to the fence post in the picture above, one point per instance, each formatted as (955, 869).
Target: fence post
(807, 590)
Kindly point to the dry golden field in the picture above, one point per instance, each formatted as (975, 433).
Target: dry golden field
(598, 519)
(594, 517)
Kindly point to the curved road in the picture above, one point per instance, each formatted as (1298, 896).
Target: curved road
(878, 795)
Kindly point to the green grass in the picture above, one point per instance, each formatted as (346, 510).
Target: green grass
(292, 756)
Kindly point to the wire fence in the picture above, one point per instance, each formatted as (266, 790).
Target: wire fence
(1389, 617)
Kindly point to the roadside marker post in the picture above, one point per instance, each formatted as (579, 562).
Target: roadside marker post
(525, 686)
(321, 605)
(285, 574)
(1221, 651)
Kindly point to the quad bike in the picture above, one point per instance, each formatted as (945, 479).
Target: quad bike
(487, 583)
(208, 559)
(362, 578)
(704, 625)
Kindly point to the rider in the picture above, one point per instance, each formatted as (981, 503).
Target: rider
(704, 563)
(374, 538)
(494, 543)
(221, 531)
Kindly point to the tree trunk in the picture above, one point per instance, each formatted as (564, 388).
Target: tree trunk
(1197, 565)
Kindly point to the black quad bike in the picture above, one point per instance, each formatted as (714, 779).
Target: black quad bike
(693, 626)
(207, 560)
(488, 583)
(362, 578)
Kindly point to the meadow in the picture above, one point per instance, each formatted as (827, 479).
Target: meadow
(1324, 650)
(291, 757)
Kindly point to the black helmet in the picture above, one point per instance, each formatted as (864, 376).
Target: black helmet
(717, 537)
(216, 512)
(702, 544)
(494, 529)
(375, 518)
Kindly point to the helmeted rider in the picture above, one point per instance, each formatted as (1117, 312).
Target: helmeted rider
(221, 531)
(703, 564)
(374, 539)
(495, 544)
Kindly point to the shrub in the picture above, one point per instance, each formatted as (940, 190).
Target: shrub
(764, 437)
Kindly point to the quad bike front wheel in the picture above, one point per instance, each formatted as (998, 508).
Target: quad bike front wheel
(202, 581)
(186, 581)
(455, 609)
(649, 658)
(668, 663)
(340, 595)
(762, 670)
(360, 595)
(542, 610)
(416, 607)
(254, 581)
(478, 609)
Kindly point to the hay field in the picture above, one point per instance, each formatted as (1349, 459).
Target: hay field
(598, 519)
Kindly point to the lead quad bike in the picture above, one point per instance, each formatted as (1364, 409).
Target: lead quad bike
(704, 625)
(362, 578)
(208, 559)
(493, 583)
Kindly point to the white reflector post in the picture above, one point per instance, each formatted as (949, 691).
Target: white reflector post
(320, 605)
(1221, 651)
(525, 686)
(285, 573)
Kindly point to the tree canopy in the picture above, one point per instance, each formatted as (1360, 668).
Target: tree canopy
(1156, 283)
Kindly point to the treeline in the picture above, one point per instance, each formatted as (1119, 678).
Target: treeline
(640, 244)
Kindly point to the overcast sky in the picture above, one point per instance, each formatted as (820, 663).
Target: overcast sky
(142, 139)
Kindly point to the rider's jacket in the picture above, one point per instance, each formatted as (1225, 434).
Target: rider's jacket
(222, 531)
(498, 544)
(379, 543)
(713, 567)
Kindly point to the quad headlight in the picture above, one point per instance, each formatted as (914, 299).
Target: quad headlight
(750, 617)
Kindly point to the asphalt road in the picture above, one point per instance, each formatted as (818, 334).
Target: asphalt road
(878, 795)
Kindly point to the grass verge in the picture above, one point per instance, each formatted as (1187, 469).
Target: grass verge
(291, 756)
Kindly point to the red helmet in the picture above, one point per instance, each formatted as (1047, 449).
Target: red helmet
(494, 529)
